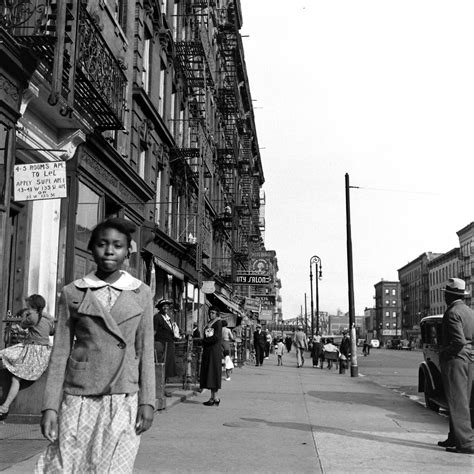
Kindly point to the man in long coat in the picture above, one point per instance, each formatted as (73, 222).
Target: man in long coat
(259, 340)
(456, 358)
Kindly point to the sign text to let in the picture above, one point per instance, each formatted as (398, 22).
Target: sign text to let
(249, 279)
(34, 181)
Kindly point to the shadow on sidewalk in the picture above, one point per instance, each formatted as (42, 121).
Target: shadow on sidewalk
(248, 422)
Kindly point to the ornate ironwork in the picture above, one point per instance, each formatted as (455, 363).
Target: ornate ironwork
(98, 66)
(18, 14)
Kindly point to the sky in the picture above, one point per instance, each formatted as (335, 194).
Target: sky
(384, 91)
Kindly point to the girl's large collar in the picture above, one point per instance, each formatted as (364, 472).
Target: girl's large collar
(125, 282)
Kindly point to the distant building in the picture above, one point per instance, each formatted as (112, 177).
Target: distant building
(338, 323)
(414, 281)
(370, 323)
(440, 269)
(387, 310)
(466, 260)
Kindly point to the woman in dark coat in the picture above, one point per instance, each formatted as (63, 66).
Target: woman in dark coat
(211, 365)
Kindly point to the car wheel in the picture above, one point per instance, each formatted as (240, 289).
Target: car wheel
(429, 393)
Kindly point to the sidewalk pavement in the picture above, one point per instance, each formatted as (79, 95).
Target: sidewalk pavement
(283, 419)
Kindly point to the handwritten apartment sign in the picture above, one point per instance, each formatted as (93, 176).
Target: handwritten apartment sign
(35, 181)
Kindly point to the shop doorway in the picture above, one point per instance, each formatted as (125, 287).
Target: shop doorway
(18, 257)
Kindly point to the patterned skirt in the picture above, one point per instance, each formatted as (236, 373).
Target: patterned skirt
(26, 361)
(96, 435)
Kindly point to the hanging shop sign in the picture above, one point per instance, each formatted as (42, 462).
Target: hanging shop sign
(266, 300)
(266, 315)
(252, 305)
(208, 287)
(252, 279)
(36, 181)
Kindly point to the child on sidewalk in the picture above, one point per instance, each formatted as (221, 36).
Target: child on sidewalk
(279, 351)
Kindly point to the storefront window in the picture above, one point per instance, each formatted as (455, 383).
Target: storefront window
(87, 214)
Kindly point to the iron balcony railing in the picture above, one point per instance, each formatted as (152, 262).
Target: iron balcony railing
(91, 79)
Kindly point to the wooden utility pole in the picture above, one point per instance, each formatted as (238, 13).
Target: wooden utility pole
(350, 277)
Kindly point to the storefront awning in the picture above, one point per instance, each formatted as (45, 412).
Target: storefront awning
(168, 268)
(231, 305)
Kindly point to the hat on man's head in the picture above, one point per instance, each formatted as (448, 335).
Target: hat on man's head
(456, 286)
(300, 326)
(258, 326)
(162, 302)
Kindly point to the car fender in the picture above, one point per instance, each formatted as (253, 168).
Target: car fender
(424, 372)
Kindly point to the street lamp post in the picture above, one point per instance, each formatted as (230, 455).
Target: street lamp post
(317, 261)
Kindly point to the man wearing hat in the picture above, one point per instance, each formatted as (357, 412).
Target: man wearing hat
(166, 332)
(456, 358)
(301, 343)
(259, 340)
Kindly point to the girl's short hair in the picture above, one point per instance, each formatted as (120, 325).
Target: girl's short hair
(36, 302)
(224, 323)
(214, 308)
(124, 226)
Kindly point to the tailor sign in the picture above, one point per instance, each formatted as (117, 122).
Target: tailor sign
(252, 279)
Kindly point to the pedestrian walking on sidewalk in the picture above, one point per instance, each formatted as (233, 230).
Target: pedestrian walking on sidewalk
(279, 350)
(344, 353)
(366, 348)
(29, 359)
(288, 343)
(166, 333)
(259, 341)
(457, 359)
(316, 349)
(100, 387)
(301, 343)
(211, 364)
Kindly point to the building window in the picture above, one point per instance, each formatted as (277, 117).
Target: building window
(387, 291)
(161, 90)
(141, 165)
(394, 303)
(394, 314)
(387, 302)
(394, 292)
(120, 13)
(387, 314)
(169, 216)
(158, 198)
(146, 66)
(87, 214)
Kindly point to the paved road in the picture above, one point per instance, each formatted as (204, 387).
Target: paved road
(397, 370)
(283, 419)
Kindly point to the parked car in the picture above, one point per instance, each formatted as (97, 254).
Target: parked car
(393, 344)
(405, 345)
(375, 343)
(429, 372)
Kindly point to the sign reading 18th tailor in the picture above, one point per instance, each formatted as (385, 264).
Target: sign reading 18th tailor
(252, 279)
(35, 181)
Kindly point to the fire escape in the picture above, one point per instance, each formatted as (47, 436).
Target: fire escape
(195, 58)
(74, 59)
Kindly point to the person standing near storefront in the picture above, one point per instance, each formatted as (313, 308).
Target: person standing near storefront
(456, 359)
(166, 332)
